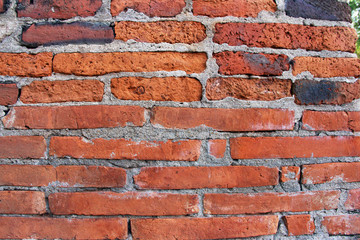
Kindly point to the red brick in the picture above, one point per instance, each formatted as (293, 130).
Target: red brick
(342, 224)
(27, 175)
(8, 94)
(26, 65)
(90, 176)
(62, 9)
(299, 225)
(179, 89)
(206, 177)
(3, 5)
(331, 172)
(92, 64)
(220, 203)
(22, 202)
(237, 8)
(328, 121)
(74, 117)
(290, 173)
(353, 200)
(354, 121)
(327, 67)
(217, 147)
(76, 147)
(232, 63)
(152, 8)
(235, 120)
(62, 228)
(282, 35)
(294, 147)
(129, 203)
(63, 33)
(203, 228)
(162, 31)
(248, 89)
(22, 147)
(63, 91)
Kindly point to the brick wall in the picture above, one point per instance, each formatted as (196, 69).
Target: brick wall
(196, 119)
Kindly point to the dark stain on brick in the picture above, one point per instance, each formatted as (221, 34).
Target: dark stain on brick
(5, 6)
(309, 92)
(266, 64)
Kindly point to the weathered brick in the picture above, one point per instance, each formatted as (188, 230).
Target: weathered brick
(92, 64)
(22, 202)
(63, 91)
(328, 172)
(248, 89)
(309, 92)
(179, 89)
(4, 4)
(74, 117)
(22, 147)
(237, 8)
(332, 10)
(27, 175)
(65, 33)
(162, 31)
(217, 147)
(62, 228)
(299, 225)
(77, 147)
(152, 8)
(26, 65)
(206, 177)
(354, 120)
(282, 35)
(328, 121)
(90, 176)
(353, 199)
(327, 67)
(61, 9)
(232, 63)
(203, 228)
(236, 120)
(220, 203)
(129, 203)
(290, 173)
(294, 147)
(8, 93)
(342, 224)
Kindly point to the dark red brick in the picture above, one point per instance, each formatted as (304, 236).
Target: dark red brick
(22, 147)
(8, 94)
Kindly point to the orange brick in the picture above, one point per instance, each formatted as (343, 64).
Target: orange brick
(22, 147)
(27, 175)
(299, 225)
(290, 173)
(354, 121)
(328, 121)
(22, 202)
(353, 200)
(342, 224)
(217, 147)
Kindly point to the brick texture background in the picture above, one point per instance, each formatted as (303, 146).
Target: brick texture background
(181, 119)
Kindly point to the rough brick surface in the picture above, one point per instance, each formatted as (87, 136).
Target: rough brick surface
(328, 172)
(63, 91)
(294, 147)
(26, 65)
(26, 175)
(219, 203)
(62, 9)
(62, 228)
(237, 8)
(290, 173)
(92, 64)
(22, 147)
(282, 35)
(248, 89)
(162, 31)
(354, 120)
(22, 202)
(187, 150)
(152, 8)
(8, 94)
(206, 177)
(329, 121)
(353, 199)
(203, 228)
(129, 203)
(235, 120)
(327, 67)
(342, 225)
(217, 147)
(74, 117)
(63, 33)
(178, 89)
(308, 92)
(232, 63)
(299, 225)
